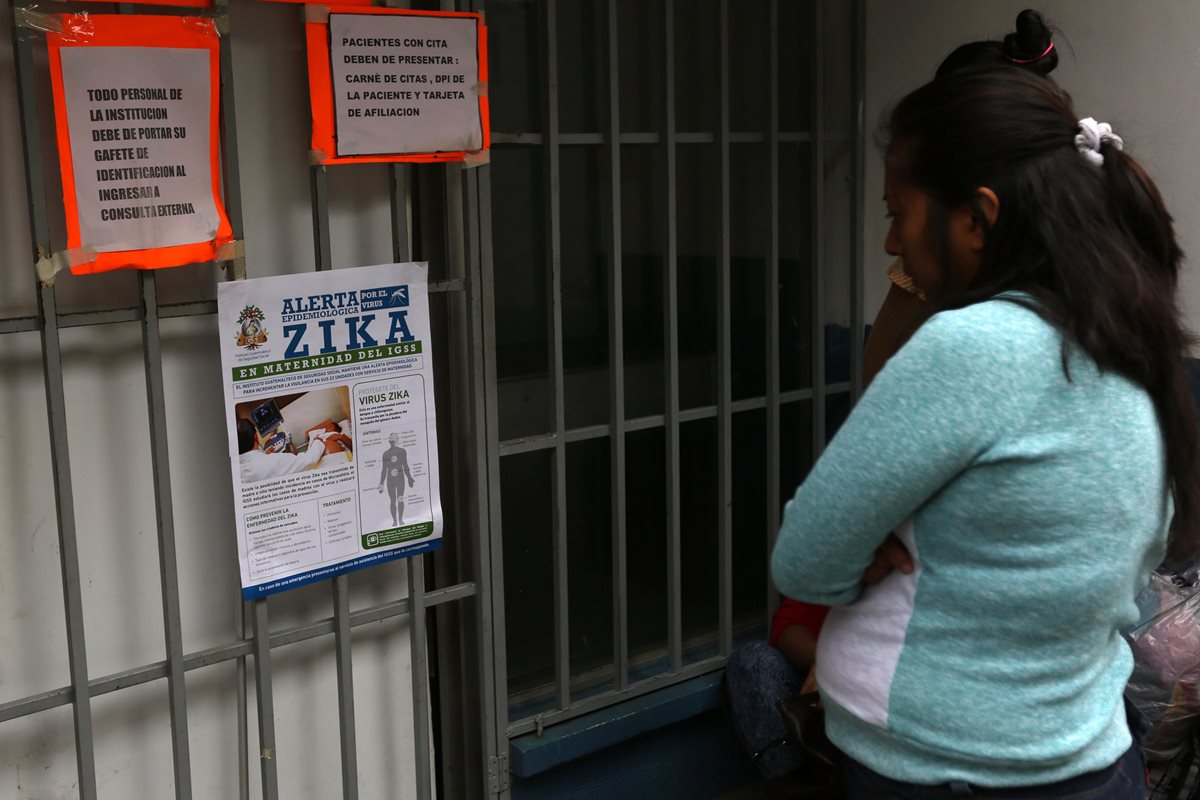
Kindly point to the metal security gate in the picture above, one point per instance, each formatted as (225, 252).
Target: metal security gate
(675, 201)
(430, 220)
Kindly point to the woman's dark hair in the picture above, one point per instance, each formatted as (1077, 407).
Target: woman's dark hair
(1094, 247)
(1028, 47)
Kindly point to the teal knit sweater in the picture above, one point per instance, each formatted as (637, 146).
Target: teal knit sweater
(1035, 507)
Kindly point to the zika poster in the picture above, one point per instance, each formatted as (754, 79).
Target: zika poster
(398, 85)
(332, 436)
(136, 101)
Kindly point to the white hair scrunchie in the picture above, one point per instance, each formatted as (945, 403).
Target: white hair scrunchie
(1091, 136)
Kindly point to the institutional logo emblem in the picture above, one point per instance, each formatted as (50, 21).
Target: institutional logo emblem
(251, 334)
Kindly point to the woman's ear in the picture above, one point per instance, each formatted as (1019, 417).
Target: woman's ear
(983, 216)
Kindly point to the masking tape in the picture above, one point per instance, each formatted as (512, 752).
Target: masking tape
(477, 158)
(239, 268)
(480, 89)
(36, 20)
(47, 268)
(231, 250)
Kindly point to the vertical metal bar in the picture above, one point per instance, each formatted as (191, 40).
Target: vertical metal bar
(772, 296)
(232, 199)
(724, 357)
(420, 674)
(671, 352)
(266, 702)
(67, 542)
(491, 637)
(345, 684)
(399, 176)
(489, 561)
(616, 361)
(858, 221)
(491, 642)
(35, 189)
(243, 714)
(418, 642)
(167, 562)
(232, 196)
(341, 583)
(817, 224)
(562, 640)
(165, 518)
(455, 232)
(56, 407)
(320, 211)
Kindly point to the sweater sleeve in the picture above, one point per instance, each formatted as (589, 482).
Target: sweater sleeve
(959, 384)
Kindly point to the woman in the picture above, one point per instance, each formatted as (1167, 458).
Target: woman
(759, 674)
(1030, 445)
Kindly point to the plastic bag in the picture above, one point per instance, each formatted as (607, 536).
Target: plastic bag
(1165, 684)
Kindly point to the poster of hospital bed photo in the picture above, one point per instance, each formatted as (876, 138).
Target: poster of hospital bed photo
(290, 433)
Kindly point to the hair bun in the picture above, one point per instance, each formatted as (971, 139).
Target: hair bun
(1030, 44)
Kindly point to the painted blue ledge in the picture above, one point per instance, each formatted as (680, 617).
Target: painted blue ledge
(532, 754)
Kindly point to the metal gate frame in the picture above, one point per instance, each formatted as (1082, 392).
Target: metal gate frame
(465, 398)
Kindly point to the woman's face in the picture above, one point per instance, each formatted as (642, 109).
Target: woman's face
(913, 235)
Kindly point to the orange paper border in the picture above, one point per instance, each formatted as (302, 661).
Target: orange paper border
(320, 89)
(109, 30)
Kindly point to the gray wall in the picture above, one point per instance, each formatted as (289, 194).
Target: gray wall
(1132, 64)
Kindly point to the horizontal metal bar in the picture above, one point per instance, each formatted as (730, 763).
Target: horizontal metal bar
(531, 444)
(516, 138)
(530, 724)
(650, 137)
(641, 138)
(78, 319)
(107, 317)
(20, 324)
(196, 309)
(448, 285)
(226, 652)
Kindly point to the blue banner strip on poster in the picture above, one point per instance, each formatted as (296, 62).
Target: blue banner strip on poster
(260, 590)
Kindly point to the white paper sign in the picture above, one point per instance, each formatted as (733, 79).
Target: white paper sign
(139, 120)
(332, 426)
(405, 84)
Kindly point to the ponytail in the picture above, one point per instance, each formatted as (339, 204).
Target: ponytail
(1139, 210)
(1138, 207)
